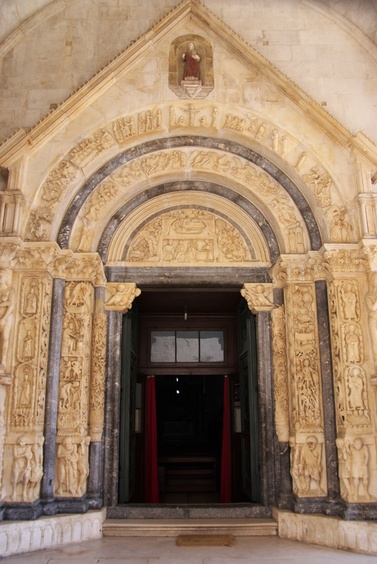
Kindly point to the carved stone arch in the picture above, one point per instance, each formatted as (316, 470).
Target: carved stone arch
(180, 142)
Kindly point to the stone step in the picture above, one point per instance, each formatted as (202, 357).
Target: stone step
(175, 527)
(190, 511)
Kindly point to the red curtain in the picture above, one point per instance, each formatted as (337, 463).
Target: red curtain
(225, 493)
(151, 471)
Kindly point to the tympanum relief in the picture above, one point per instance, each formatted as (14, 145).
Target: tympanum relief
(188, 236)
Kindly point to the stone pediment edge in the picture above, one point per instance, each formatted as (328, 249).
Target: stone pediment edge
(14, 147)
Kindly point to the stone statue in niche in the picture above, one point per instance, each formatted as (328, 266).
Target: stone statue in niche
(31, 300)
(306, 467)
(67, 467)
(191, 60)
(25, 392)
(6, 316)
(371, 301)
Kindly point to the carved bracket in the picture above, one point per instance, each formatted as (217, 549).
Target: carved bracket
(259, 297)
(119, 296)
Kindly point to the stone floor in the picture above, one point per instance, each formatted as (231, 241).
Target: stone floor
(164, 551)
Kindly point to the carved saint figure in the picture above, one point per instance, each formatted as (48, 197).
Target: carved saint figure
(6, 316)
(344, 454)
(28, 346)
(349, 299)
(67, 467)
(36, 468)
(371, 301)
(355, 382)
(191, 60)
(352, 340)
(21, 472)
(359, 468)
(25, 394)
(31, 304)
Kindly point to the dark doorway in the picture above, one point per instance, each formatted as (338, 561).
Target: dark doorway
(189, 424)
(189, 339)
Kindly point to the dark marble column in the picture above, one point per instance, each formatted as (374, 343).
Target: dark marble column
(328, 401)
(112, 416)
(52, 397)
(266, 408)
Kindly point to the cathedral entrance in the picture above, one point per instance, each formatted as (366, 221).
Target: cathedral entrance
(199, 348)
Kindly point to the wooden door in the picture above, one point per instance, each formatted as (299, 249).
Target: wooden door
(250, 457)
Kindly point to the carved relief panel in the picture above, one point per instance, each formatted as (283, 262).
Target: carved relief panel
(26, 406)
(308, 469)
(72, 464)
(351, 360)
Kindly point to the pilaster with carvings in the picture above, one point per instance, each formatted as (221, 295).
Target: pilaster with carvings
(72, 463)
(97, 383)
(353, 362)
(308, 464)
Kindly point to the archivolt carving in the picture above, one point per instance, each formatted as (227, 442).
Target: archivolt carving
(188, 236)
(179, 116)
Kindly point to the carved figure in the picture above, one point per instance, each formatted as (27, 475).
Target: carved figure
(31, 300)
(311, 464)
(340, 228)
(359, 469)
(21, 472)
(352, 341)
(36, 468)
(349, 302)
(25, 394)
(83, 465)
(28, 346)
(6, 316)
(67, 467)
(191, 60)
(355, 381)
(344, 454)
(371, 301)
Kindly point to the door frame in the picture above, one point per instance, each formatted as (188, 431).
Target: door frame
(269, 452)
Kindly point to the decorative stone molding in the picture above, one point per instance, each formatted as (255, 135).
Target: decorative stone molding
(279, 352)
(18, 537)
(356, 536)
(259, 297)
(120, 295)
(97, 383)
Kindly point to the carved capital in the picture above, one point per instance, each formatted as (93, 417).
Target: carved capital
(80, 266)
(344, 260)
(259, 297)
(120, 296)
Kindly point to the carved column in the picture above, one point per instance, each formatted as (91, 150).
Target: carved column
(259, 299)
(118, 300)
(354, 362)
(97, 396)
(307, 434)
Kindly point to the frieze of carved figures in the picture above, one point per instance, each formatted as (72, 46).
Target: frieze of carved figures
(345, 261)
(259, 297)
(279, 352)
(188, 236)
(27, 468)
(354, 473)
(79, 267)
(192, 116)
(7, 305)
(97, 384)
(120, 296)
(307, 467)
(88, 149)
(145, 122)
